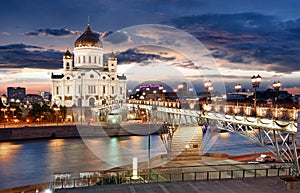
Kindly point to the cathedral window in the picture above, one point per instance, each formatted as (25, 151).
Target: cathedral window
(103, 89)
(79, 89)
(57, 90)
(68, 66)
(91, 76)
(112, 90)
(95, 59)
(99, 60)
(90, 59)
(91, 102)
(68, 90)
(78, 59)
(83, 59)
(92, 89)
(120, 90)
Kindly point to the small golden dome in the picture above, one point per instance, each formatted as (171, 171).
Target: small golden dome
(112, 56)
(68, 55)
(88, 38)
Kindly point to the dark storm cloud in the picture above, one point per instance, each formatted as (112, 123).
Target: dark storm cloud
(248, 37)
(117, 37)
(136, 56)
(52, 32)
(29, 56)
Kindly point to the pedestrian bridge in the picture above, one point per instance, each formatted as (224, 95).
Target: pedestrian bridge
(274, 129)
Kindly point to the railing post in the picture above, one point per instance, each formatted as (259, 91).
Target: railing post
(244, 173)
(220, 175)
(182, 176)
(195, 176)
(207, 175)
(231, 174)
(254, 173)
(267, 172)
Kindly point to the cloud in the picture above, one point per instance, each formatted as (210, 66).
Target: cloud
(29, 56)
(5, 33)
(117, 37)
(52, 32)
(248, 38)
(135, 55)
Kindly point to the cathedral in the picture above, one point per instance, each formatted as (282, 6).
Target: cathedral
(87, 80)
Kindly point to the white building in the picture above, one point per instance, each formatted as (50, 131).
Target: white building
(87, 80)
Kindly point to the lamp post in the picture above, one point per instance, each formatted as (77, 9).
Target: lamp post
(208, 87)
(237, 88)
(13, 112)
(56, 109)
(81, 96)
(276, 86)
(4, 116)
(255, 80)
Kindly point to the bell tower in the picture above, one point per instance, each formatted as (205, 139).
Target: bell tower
(112, 65)
(68, 61)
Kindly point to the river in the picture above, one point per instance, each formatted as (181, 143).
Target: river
(30, 162)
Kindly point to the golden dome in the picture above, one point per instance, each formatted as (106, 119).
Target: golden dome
(112, 56)
(88, 38)
(68, 55)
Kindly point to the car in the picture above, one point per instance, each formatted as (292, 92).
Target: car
(265, 158)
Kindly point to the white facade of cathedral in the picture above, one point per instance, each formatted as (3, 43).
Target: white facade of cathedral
(86, 80)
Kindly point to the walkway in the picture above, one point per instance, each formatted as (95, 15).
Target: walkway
(246, 185)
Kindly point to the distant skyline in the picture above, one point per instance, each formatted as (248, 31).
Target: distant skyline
(246, 37)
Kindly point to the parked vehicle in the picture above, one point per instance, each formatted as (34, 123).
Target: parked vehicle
(265, 158)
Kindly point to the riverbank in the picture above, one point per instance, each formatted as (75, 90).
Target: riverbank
(75, 131)
(40, 188)
(38, 132)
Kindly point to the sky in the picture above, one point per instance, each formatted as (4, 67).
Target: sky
(242, 37)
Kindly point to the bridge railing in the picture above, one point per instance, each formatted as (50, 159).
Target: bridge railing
(167, 175)
(242, 109)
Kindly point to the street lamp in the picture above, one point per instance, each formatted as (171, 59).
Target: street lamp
(56, 109)
(208, 87)
(255, 84)
(276, 86)
(237, 88)
(81, 96)
(4, 116)
(13, 112)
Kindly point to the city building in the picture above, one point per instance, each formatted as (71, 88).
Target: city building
(47, 96)
(33, 99)
(86, 79)
(15, 93)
